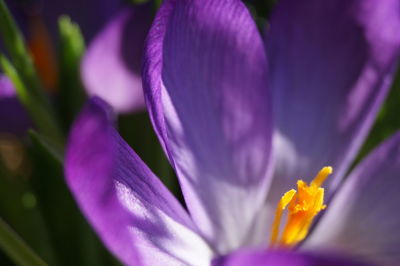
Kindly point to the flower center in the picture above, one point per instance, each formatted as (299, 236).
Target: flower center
(303, 205)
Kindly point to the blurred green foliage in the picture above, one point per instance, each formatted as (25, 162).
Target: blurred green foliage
(16, 248)
(71, 49)
(388, 120)
(22, 72)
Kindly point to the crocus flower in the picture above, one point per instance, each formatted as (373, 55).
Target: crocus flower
(241, 120)
(111, 67)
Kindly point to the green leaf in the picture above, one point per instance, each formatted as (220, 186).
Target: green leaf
(43, 144)
(72, 47)
(19, 208)
(15, 45)
(387, 122)
(137, 2)
(158, 3)
(39, 113)
(16, 248)
(23, 74)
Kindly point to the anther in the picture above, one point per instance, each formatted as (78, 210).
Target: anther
(303, 206)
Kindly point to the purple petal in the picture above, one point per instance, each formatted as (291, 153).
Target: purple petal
(282, 258)
(111, 67)
(205, 84)
(137, 218)
(13, 118)
(331, 65)
(363, 218)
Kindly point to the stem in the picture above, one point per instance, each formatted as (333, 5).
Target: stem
(16, 248)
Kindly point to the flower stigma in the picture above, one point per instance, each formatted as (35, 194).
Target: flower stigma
(303, 206)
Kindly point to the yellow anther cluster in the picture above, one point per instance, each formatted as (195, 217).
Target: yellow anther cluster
(303, 205)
